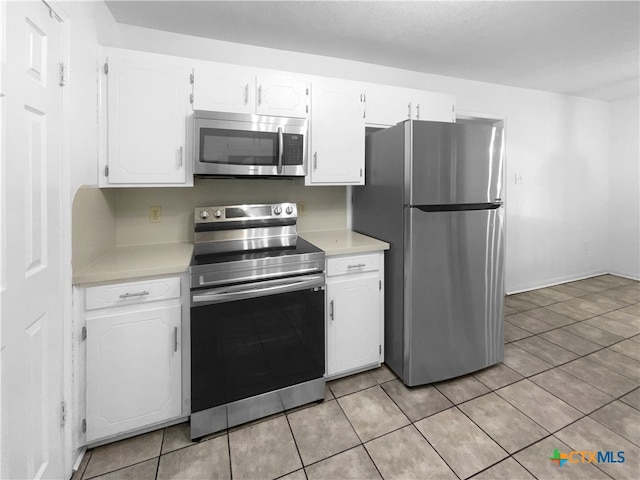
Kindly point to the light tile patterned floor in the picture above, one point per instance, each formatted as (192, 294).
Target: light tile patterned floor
(569, 381)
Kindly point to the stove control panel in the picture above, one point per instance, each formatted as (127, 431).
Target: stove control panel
(245, 213)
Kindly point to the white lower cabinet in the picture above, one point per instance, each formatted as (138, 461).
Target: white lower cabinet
(355, 324)
(133, 359)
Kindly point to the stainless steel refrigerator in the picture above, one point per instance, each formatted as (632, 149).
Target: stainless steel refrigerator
(433, 191)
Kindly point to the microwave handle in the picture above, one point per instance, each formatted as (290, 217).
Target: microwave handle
(280, 149)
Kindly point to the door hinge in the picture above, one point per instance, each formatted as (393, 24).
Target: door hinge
(379, 349)
(191, 78)
(379, 284)
(307, 91)
(63, 79)
(84, 425)
(106, 68)
(360, 173)
(307, 108)
(84, 333)
(191, 98)
(106, 170)
(63, 414)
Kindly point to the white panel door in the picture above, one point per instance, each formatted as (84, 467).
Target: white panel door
(148, 103)
(31, 294)
(224, 89)
(133, 370)
(353, 323)
(282, 96)
(337, 135)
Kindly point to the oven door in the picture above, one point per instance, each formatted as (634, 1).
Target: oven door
(250, 339)
(234, 144)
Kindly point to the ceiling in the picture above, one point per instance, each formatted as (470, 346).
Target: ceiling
(584, 48)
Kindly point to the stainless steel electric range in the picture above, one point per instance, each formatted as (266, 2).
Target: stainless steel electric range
(257, 316)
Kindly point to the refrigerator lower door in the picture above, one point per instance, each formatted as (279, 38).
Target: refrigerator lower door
(454, 287)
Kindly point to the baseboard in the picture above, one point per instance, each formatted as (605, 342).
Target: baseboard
(76, 464)
(553, 282)
(630, 276)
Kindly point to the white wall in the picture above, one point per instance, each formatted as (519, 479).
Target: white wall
(624, 188)
(90, 23)
(559, 145)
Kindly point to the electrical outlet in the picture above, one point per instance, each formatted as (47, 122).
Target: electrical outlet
(155, 214)
(301, 208)
(518, 179)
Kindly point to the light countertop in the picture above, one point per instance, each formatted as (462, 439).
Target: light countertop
(342, 242)
(127, 263)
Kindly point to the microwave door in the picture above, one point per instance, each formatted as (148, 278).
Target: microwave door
(237, 152)
(246, 145)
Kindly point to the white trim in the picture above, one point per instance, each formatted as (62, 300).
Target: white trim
(65, 238)
(630, 276)
(554, 281)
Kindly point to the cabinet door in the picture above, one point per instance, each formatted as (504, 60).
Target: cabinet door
(353, 323)
(337, 135)
(387, 106)
(133, 370)
(435, 107)
(147, 105)
(223, 89)
(282, 96)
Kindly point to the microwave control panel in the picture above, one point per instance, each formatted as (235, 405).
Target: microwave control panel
(293, 149)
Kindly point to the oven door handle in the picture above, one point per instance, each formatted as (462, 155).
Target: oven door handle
(225, 294)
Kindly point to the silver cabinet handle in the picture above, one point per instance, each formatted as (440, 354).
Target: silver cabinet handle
(180, 156)
(359, 265)
(246, 94)
(260, 95)
(409, 110)
(138, 294)
(315, 160)
(280, 149)
(331, 310)
(418, 111)
(175, 339)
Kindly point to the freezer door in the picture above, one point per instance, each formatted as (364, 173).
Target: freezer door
(453, 163)
(454, 277)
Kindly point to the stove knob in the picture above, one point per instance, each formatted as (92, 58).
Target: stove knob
(217, 213)
(204, 214)
(277, 210)
(289, 210)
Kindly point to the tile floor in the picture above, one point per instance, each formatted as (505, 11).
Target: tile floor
(569, 381)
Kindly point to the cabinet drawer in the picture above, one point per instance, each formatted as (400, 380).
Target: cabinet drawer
(132, 293)
(353, 264)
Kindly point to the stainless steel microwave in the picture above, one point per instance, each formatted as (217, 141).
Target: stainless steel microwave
(233, 144)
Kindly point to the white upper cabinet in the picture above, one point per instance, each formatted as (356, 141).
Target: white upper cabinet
(282, 96)
(435, 107)
(387, 105)
(232, 89)
(336, 156)
(229, 89)
(147, 105)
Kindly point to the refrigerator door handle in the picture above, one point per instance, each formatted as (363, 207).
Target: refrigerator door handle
(459, 207)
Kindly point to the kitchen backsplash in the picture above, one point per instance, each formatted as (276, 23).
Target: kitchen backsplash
(320, 208)
(93, 220)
